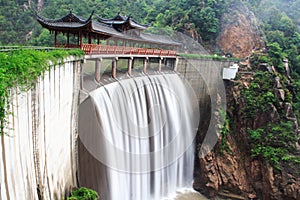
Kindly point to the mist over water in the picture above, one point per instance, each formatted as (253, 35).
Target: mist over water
(143, 134)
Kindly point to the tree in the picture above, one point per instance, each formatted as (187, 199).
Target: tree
(276, 54)
(276, 36)
(208, 23)
(287, 26)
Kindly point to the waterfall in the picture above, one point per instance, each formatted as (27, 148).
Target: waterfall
(137, 138)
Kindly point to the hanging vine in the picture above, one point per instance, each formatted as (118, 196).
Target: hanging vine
(21, 68)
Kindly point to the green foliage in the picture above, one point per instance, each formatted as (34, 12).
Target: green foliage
(84, 194)
(21, 68)
(257, 59)
(259, 95)
(276, 56)
(280, 27)
(296, 97)
(274, 142)
(208, 22)
(15, 22)
(225, 132)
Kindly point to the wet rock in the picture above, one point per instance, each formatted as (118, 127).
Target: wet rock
(289, 113)
(292, 191)
(278, 83)
(265, 67)
(280, 94)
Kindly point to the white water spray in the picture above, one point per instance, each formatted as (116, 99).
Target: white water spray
(139, 134)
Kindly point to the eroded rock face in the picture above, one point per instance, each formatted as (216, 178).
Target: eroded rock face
(240, 34)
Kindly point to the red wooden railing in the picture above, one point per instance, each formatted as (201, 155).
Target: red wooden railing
(95, 49)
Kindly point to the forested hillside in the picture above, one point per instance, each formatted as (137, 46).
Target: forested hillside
(278, 20)
(17, 17)
(18, 24)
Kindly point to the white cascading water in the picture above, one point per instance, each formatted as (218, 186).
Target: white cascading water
(142, 130)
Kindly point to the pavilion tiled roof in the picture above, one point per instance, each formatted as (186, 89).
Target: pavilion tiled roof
(105, 29)
(70, 21)
(123, 20)
(74, 23)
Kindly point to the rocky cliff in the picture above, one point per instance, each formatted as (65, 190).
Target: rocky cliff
(240, 33)
(257, 154)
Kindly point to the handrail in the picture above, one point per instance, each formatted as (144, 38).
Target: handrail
(40, 48)
(96, 49)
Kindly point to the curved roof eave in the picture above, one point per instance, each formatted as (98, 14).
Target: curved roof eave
(137, 25)
(69, 18)
(60, 26)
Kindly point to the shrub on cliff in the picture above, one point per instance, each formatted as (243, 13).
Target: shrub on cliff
(84, 194)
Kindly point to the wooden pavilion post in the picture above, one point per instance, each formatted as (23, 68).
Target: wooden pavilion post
(80, 40)
(55, 38)
(68, 39)
(90, 39)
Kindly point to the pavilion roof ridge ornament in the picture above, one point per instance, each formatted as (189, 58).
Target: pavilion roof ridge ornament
(120, 17)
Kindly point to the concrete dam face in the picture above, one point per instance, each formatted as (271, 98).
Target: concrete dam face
(38, 153)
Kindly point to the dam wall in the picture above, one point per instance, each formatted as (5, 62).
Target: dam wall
(38, 151)
(205, 77)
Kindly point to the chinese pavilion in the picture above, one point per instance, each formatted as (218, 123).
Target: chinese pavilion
(120, 30)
